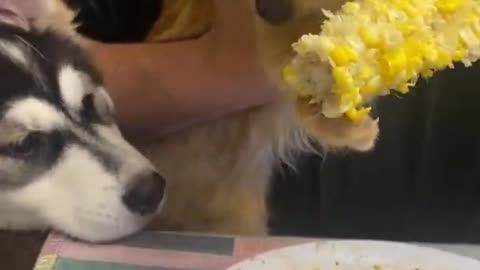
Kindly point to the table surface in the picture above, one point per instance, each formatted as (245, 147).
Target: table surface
(161, 250)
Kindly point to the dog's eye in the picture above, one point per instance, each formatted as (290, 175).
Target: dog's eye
(26, 147)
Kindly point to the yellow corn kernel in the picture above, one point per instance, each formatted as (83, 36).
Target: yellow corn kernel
(413, 49)
(367, 38)
(378, 6)
(404, 88)
(351, 7)
(460, 54)
(371, 87)
(427, 74)
(408, 8)
(343, 79)
(471, 18)
(449, 6)
(366, 73)
(444, 59)
(357, 114)
(343, 55)
(407, 28)
(393, 62)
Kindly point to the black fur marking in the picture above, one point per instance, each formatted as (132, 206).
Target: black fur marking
(108, 161)
(90, 113)
(48, 52)
(51, 52)
(42, 157)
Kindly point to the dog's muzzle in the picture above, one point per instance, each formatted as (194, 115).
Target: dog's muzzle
(274, 12)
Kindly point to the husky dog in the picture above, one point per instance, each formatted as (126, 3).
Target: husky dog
(64, 164)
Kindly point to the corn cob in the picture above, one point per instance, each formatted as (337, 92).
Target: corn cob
(374, 46)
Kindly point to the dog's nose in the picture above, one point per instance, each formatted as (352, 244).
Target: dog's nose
(145, 194)
(274, 11)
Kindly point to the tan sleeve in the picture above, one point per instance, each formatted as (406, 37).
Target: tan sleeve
(182, 19)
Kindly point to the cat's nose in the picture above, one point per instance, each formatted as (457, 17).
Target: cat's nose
(274, 12)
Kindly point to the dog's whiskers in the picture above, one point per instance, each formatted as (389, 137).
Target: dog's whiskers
(30, 45)
(34, 68)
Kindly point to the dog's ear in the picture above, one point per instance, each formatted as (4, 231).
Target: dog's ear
(38, 15)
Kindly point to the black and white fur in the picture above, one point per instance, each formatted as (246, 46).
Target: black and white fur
(63, 162)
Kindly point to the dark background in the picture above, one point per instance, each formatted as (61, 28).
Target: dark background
(421, 183)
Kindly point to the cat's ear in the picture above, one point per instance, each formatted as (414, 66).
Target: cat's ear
(38, 14)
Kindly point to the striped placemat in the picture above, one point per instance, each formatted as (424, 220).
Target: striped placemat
(156, 251)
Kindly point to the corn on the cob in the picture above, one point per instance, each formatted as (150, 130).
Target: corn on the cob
(374, 46)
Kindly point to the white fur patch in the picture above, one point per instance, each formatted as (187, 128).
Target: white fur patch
(15, 52)
(72, 86)
(79, 197)
(35, 114)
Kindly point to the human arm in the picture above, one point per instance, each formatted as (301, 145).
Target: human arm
(159, 88)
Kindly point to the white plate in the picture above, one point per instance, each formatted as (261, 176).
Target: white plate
(357, 255)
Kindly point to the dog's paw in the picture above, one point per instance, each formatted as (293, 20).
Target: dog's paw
(360, 136)
(337, 133)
